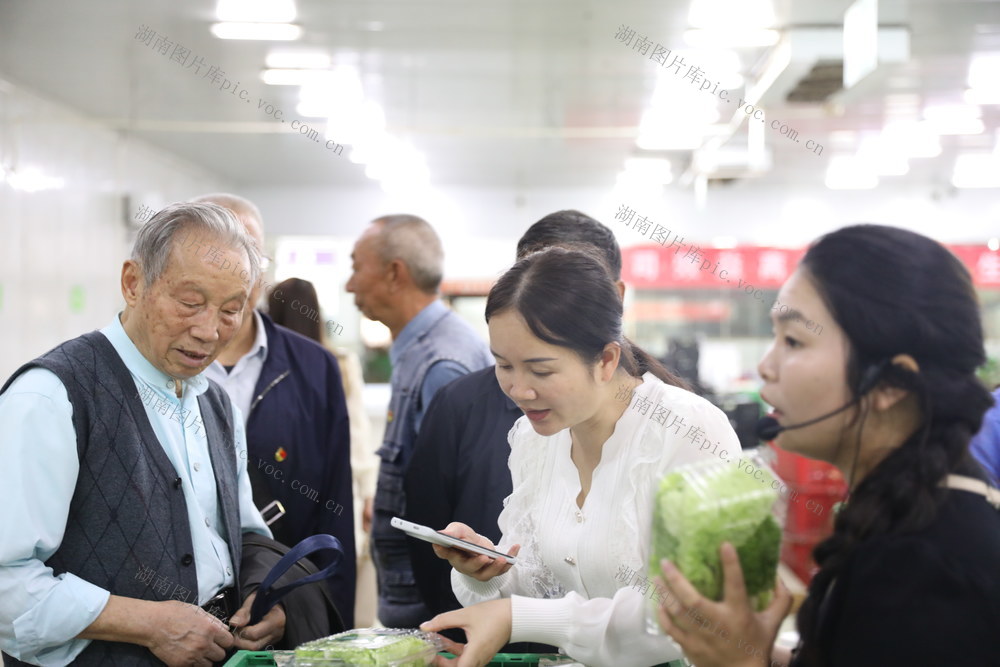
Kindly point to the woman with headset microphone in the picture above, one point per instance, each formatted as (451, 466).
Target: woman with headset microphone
(911, 574)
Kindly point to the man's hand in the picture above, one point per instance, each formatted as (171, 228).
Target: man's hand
(255, 637)
(367, 515)
(477, 566)
(487, 628)
(175, 632)
(184, 634)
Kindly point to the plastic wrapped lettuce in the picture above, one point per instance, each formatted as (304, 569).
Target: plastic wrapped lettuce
(370, 647)
(700, 506)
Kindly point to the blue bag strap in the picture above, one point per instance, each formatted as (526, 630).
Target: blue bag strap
(267, 596)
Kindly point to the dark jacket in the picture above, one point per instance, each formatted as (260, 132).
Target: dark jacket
(459, 472)
(926, 597)
(299, 407)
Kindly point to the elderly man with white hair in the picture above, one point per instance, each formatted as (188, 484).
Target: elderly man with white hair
(124, 486)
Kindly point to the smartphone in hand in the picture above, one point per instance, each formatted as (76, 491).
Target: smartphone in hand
(435, 537)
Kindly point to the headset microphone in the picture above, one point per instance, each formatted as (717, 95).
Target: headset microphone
(768, 428)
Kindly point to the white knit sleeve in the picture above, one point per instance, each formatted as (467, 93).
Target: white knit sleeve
(518, 524)
(602, 632)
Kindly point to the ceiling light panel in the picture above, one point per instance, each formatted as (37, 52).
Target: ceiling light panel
(256, 11)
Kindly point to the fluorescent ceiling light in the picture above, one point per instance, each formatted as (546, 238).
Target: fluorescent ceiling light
(848, 173)
(32, 179)
(659, 130)
(371, 149)
(256, 11)
(258, 31)
(731, 13)
(720, 65)
(729, 80)
(654, 171)
(882, 161)
(716, 60)
(675, 102)
(399, 167)
(364, 125)
(337, 90)
(983, 70)
(842, 137)
(981, 96)
(954, 119)
(289, 77)
(976, 170)
(669, 141)
(911, 139)
(297, 60)
(730, 38)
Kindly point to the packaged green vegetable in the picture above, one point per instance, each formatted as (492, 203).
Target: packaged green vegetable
(701, 505)
(370, 647)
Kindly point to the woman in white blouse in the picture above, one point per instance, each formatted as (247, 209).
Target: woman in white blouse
(604, 421)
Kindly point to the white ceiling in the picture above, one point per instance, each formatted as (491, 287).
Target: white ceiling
(503, 94)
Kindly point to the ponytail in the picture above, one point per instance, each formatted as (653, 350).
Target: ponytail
(637, 362)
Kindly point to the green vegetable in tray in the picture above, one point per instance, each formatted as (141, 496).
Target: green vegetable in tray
(699, 508)
(367, 648)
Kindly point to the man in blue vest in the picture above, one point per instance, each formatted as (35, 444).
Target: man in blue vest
(124, 486)
(398, 263)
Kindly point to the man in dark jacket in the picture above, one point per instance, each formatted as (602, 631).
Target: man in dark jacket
(289, 391)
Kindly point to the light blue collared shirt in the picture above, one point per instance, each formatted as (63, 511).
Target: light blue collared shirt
(241, 382)
(441, 372)
(40, 615)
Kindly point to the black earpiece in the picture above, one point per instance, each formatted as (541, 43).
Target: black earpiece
(872, 376)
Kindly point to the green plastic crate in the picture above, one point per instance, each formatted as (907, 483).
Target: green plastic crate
(521, 659)
(257, 658)
(267, 659)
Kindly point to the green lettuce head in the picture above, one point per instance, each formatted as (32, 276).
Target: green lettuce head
(700, 506)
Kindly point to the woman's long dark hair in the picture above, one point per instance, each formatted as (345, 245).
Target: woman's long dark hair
(568, 298)
(303, 318)
(896, 292)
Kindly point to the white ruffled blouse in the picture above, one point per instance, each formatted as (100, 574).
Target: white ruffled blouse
(567, 587)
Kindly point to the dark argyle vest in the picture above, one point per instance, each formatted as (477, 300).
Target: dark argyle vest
(127, 529)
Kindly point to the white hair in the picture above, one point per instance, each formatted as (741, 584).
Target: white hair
(155, 240)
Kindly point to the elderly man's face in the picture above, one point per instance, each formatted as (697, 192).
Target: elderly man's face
(182, 321)
(368, 282)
